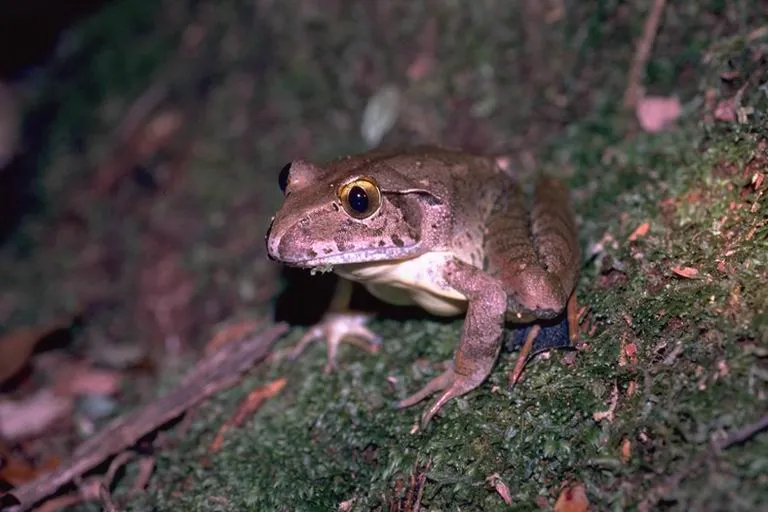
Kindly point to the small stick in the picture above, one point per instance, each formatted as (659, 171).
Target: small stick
(633, 93)
(247, 407)
(743, 434)
(210, 376)
(671, 482)
(107, 501)
(572, 314)
(523, 357)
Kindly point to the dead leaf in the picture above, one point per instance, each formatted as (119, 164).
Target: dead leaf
(424, 62)
(32, 415)
(502, 489)
(726, 110)
(655, 113)
(686, 272)
(82, 379)
(573, 498)
(17, 346)
(640, 231)
(630, 350)
(16, 470)
(626, 450)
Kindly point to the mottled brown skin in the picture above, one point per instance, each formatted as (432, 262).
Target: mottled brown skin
(453, 233)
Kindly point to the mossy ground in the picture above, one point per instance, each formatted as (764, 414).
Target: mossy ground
(261, 83)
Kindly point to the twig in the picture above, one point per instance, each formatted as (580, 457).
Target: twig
(522, 358)
(210, 376)
(146, 467)
(743, 434)
(107, 501)
(739, 436)
(247, 407)
(635, 77)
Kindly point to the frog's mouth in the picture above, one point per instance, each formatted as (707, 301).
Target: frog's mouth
(303, 247)
(347, 258)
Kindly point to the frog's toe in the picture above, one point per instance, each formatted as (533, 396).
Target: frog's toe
(439, 383)
(450, 383)
(337, 328)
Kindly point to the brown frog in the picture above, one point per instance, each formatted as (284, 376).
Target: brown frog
(442, 229)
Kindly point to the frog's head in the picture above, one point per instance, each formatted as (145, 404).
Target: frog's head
(354, 210)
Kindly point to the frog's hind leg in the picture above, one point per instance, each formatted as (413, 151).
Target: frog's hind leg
(480, 339)
(554, 233)
(535, 255)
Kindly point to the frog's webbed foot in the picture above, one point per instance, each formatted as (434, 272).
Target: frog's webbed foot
(337, 328)
(452, 385)
(480, 340)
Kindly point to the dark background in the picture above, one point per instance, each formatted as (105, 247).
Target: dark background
(29, 29)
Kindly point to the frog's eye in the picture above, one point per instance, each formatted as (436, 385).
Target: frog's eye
(282, 179)
(360, 198)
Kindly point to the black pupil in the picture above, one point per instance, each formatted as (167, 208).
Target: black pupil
(358, 199)
(282, 179)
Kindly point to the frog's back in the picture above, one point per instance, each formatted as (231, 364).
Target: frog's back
(462, 176)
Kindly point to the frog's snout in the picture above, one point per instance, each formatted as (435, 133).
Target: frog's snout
(271, 245)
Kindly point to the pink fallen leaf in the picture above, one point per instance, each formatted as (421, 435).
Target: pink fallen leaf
(31, 416)
(686, 272)
(502, 489)
(81, 379)
(726, 110)
(420, 67)
(655, 113)
(16, 347)
(640, 231)
(573, 498)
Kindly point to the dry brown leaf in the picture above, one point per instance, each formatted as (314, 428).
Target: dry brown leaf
(502, 489)
(573, 498)
(17, 346)
(686, 272)
(82, 379)
(630, 350)
(726, 110)
(31, 416)
(17, 470)
(656, 113)
(626, 450)
(640, 231)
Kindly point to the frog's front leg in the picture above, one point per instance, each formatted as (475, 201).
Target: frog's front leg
(339, 325)
(480, 339)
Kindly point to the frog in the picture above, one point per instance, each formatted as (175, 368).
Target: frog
(446, 230)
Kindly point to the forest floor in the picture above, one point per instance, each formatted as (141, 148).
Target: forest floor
(156, 136)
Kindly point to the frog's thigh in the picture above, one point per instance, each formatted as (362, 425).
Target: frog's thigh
(554, 231)
(534, 254)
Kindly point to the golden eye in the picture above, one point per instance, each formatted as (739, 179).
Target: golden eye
(360, 198)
